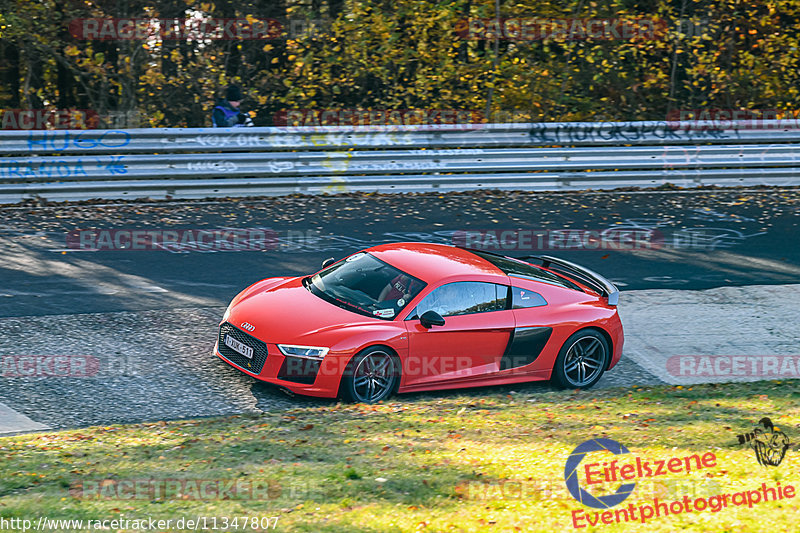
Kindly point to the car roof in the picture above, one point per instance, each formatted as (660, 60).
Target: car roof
(431, 262)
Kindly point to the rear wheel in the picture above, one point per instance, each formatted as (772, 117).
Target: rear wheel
(371, 376)
(582, 360)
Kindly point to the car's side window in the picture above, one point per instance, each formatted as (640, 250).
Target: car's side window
(524, 298)
(463, 298)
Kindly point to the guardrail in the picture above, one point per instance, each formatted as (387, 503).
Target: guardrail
(197, 163)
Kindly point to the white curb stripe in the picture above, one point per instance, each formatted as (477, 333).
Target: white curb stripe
(12, 422)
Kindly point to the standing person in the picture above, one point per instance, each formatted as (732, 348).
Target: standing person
(226, 113)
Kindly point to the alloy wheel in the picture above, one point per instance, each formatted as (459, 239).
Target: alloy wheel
(373, 377)
(584, 361)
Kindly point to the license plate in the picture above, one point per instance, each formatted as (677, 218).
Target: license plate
(240, 347)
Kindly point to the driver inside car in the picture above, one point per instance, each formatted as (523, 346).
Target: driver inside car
(401, 287)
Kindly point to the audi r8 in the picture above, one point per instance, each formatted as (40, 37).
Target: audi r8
(408, 317)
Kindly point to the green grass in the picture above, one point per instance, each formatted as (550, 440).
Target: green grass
(433, 463)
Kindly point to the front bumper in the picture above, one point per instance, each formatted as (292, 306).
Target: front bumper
(310, 377)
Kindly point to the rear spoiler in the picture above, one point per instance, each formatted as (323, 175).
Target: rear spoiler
(582, 274)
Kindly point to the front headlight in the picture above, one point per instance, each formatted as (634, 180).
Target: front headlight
(227, 314)
(308, 352)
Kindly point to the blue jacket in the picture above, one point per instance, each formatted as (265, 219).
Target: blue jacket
(227, 116)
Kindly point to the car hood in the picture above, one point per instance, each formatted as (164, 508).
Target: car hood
(286, 312)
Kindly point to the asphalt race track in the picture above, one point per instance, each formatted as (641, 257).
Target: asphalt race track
(141, 323)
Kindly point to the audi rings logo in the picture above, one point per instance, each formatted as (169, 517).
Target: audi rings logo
(571, 477)
(248, 326)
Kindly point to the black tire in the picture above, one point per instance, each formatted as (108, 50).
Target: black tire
(582, 360)
(371, 376)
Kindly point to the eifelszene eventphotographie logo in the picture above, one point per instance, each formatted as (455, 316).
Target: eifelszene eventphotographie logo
(571, 474)
(629, 470)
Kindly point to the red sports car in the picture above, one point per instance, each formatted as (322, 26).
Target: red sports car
(416, 316)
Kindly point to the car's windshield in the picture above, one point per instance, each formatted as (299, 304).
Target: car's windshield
(364, 284)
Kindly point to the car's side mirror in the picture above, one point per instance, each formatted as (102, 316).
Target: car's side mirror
(431, 318)
(328, 261)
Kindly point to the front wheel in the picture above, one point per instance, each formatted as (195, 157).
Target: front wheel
(582, 360)
(371, 376)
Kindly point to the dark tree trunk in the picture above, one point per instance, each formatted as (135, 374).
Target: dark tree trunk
(170, 10)
(9, 72)
(234, 60)
(463, 55)
(36, 80)
(335, 8)
(112, 57)
(65, 80)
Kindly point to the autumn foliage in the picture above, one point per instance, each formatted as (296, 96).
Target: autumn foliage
(403, 54)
